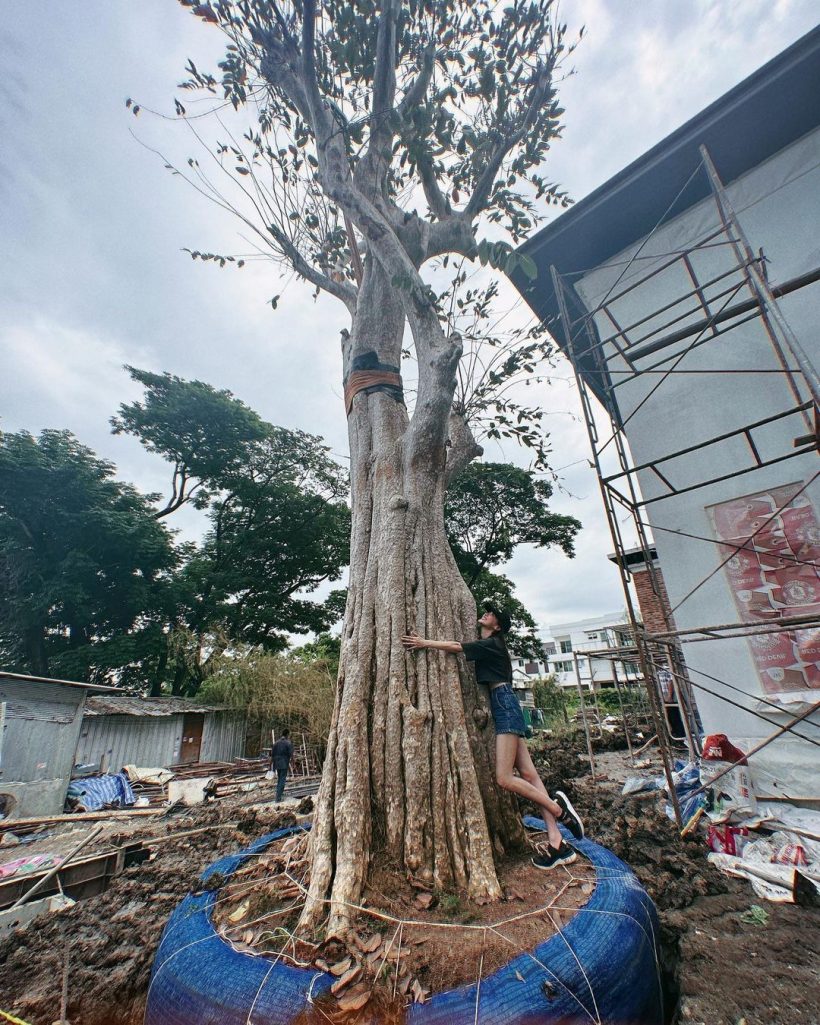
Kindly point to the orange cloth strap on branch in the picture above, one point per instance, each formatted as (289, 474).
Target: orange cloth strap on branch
(368, 374)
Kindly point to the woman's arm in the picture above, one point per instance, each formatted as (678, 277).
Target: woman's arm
(412, 642)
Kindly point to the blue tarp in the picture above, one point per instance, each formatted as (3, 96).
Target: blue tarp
(602, 968)
(96, 792)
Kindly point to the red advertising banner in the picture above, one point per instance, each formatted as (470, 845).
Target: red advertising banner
(773, 539)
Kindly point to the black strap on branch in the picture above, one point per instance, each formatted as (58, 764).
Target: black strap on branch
(367, 374)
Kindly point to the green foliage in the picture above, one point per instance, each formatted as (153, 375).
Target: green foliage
(91, 582)
(551, 699)
(276, 690)
(325, 650)
(492, 508)
(84, 566)
(446, 127)
(280, 524)
(492, 76)
(203, 432)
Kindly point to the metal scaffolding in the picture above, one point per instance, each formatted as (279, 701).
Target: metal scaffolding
(654, 346)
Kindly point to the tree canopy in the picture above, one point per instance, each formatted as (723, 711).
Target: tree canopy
(490, 510)
(85, 567)
(95, 586)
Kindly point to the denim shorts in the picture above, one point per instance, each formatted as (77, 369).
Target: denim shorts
(507, 713)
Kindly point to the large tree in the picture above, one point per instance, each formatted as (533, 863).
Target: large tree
(279, 523)
(85, 569)
(387, 133)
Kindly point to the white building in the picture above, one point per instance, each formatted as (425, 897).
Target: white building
(687, 294)
(584, 637)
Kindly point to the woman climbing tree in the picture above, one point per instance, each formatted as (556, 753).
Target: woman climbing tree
(494, 668)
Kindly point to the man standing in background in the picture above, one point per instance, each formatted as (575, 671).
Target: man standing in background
(280, 756)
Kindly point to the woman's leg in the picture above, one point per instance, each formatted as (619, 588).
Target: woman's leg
(507, 757)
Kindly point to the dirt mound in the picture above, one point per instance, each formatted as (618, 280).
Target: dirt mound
(111, 939)
(723, 962)
(402, 942)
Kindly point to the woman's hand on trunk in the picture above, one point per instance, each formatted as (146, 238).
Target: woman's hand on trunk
(412, 642)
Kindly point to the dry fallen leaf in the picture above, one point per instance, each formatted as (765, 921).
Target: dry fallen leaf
(241, 911)
(322, 965)
(371, 943)
(420, 994)
(423, 900)
(345, 980)
(404, 985)
(354, 999)
(587, 888)
(247, 936)
(341, 967)
(519, 976)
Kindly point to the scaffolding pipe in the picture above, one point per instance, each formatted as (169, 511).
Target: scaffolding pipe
(584, 716)
(657, 713)
(760, 284)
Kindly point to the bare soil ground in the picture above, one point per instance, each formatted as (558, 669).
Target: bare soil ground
(721, 968)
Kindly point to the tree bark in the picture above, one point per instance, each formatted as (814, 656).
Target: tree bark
(36, 650)
(408, 772)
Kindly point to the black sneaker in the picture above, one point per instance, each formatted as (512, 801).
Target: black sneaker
(570, 817)
(554, 857)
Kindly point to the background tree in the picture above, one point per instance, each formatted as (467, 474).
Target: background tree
(85, 569)
(490, 510)
(386, 131)
(279, 523)
(277, 691)
(204, 433)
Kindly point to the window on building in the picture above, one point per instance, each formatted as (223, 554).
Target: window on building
(592, 637)
(564, 667)
(549, 649)
(566, 647)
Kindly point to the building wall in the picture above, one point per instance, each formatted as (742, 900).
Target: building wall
(777, 205)
(42, 723)
(154, 740)
(582, 636)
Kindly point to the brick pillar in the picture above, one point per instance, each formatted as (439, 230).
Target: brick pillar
(655, 609)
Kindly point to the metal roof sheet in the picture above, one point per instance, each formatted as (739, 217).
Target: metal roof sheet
(26, 678)
(127, 704)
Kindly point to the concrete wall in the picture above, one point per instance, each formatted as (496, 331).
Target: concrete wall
(42, 724)
(154, 740)
(778, 208)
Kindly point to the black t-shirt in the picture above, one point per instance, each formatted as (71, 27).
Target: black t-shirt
(492, 663)
(281, 749)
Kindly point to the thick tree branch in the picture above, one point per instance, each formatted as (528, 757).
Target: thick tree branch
(462, 448)
(419, 86)
(436, 199)
(341, 289)
(509, 140)
(384, 82)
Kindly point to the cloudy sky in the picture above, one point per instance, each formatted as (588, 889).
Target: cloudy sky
(92, 229)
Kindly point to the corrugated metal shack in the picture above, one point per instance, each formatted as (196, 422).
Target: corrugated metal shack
(40, 721)
(119, 730)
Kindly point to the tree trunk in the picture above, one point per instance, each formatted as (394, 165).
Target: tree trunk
(408, 771)
(36, 650)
